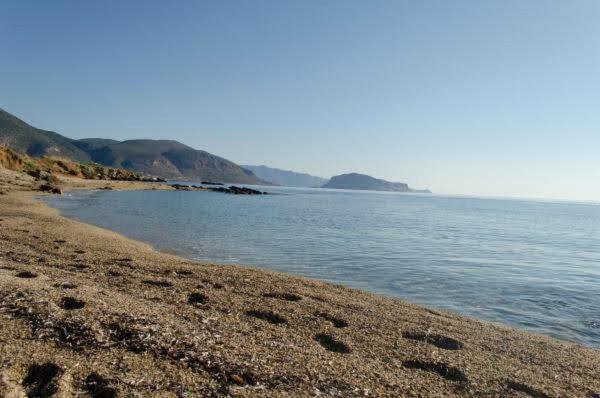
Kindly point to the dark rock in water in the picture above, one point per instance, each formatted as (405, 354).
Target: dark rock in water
(244, 191)
(238, 190)
(231, 190)
(211, 183)
(181, 187)
(51, 189)
(106, 188)
(224, 190)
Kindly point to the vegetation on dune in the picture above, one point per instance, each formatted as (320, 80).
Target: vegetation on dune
(48, 170)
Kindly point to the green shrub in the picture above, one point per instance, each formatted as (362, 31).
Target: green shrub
(52, 179)
(89, 172)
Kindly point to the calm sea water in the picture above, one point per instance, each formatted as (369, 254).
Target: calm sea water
(532, 265)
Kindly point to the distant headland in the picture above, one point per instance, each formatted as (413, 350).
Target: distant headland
(365, 182)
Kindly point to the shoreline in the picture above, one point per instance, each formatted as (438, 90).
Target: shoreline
(370, 274)
(157, 324)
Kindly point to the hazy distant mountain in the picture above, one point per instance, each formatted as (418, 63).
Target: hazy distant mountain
(169, 159)
(365, 182)
(286, 177)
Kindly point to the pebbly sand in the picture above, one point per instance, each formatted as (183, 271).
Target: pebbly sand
(87, 312)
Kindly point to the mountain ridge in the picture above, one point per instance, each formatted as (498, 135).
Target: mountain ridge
(163, 158)
(285, 177)
(22, 137)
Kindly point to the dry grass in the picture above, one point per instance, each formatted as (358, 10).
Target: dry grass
(51, 168)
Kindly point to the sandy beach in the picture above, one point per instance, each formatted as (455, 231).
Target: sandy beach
(87, 312)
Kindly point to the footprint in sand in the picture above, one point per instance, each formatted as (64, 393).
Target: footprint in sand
(337, 322)
(157, 283)
(197, 298)
(98, 387)
(447, 372)
(71, 303)
(268, 316)
(524, 388)
(122, 262)
(79, 266)
(178, 273)
(65, 285)
(332, 344)
(446, 343)
(42, 380)
(27, 274)
(283, 296)
(214, 285)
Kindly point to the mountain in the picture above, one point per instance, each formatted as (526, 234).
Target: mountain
(22, 137)
(170, 159)
(90, 144)
(285, 177)
(365, 182)
(162, 158)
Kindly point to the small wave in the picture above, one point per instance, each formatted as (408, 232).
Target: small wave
(592, 324)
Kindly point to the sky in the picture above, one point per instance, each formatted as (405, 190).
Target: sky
(494, 98)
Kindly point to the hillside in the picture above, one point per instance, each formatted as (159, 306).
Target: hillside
(286, 177)
(45, 168)
(170, 159)
(167, 159)
(22, 137)
(365, 182)
(90, 144)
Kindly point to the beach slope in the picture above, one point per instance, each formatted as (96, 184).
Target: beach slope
(87, 312)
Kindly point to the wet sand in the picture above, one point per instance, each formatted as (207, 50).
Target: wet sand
(87, 312)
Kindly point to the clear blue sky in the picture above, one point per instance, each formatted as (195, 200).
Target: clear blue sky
(470, 97)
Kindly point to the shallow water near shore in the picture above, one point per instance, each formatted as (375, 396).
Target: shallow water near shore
(528, 264)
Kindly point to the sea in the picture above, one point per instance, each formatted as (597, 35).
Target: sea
(530, 264)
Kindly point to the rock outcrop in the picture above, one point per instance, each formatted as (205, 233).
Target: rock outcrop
(232, 189)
